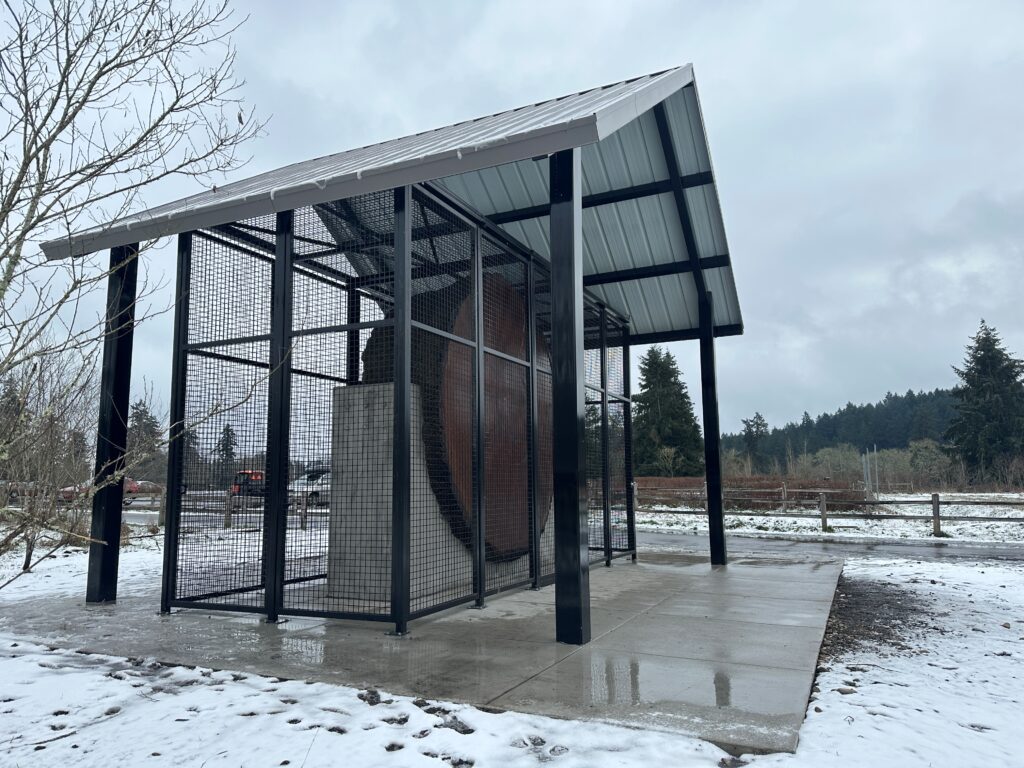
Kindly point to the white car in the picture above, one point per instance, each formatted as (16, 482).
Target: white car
(313, 487)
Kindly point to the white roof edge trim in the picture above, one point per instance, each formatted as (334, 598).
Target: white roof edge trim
(573, 133)
(617, 115)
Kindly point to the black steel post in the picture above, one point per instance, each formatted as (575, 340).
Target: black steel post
(479, 436)
(112, 429)
(606, 485)
(175, 448)
(627, 428)
(572, 567)
(275, 503)
(352, 338)
(712, 432)
(531, 331)
(400, 457)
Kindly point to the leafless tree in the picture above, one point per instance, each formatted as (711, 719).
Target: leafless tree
(99, 100)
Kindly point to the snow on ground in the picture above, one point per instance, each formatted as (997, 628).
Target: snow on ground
(663, 518)
(60, 708)
(955, 698)
(952, 697)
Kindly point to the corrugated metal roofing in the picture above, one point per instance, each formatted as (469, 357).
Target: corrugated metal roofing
(489, 162)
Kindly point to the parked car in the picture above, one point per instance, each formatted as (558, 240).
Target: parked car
(72, 493)
(149, 488)
(249, 482)
(313, 487)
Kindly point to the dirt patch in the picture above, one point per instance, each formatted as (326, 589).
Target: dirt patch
(873, 614)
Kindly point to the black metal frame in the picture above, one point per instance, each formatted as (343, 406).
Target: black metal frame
(112, 434)
(278, 250)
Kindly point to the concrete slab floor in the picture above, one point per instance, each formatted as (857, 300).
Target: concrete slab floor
(726, 654)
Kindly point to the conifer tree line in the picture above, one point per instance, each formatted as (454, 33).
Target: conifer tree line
(972, 433)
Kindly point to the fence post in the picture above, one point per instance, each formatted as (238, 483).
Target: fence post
(785, 499)
(823, 508)
(303, 512)
(227, 510)
(161, 514)
(936, 525)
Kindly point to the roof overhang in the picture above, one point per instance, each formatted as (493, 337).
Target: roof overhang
(652, 227)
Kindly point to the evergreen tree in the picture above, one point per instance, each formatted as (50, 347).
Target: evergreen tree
(663, 418)
(224, 452)
(755, 430)
(193, 464)
(145, 436)
(988, 427)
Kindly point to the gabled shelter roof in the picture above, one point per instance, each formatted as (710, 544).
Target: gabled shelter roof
(652, 227)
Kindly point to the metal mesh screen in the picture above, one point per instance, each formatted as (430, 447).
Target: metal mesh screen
(595, 474)
(338, 536)
(443, 421)
(474, 476)
(617, 476)
(507, 473)
(223, 451)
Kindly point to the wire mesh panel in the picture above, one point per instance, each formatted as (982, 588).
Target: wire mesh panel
(617, 476)
(443, 509)
(220, 515)
(595, 473)
(507, 473)
(545, 417)
(338, 537)
(480, 411)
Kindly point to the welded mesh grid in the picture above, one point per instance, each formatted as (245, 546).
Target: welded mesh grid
(617, 476)
(545, 473)
(338, 533)
(219, 557)
(443, 457)
(595, 473)
(442, 268)
(507, 473)
(616, 380)
(443, 510)
(338, 521)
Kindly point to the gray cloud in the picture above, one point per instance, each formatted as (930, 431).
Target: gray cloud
(868, 156)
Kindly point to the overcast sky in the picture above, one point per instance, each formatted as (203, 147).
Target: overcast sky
(869, 157)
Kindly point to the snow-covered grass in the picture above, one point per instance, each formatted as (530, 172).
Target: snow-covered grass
(952, 697)
(878, 525)
(955, 698)
(60, 708)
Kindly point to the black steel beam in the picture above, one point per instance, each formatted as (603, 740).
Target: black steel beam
(679, 194)
(112, 429)
(712, 434)
(606, 486)
(604, 198)
(275, 513)
(175, 448)
(655, 270)
(479, 430)
(627, 429)
(572, 567)
(691, 334)
(354, 314)
(400, 457)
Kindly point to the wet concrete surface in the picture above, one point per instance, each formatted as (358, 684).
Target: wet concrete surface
(726, 654)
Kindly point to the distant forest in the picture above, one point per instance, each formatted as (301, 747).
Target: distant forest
(893, 423)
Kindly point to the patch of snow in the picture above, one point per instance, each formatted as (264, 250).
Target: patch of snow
(63, 708)
(955, 699)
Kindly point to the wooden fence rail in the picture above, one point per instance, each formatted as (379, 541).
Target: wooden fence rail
(821, 503)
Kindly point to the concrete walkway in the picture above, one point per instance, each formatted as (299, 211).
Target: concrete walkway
(726, 654)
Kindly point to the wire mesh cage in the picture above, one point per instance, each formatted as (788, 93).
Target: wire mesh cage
(366, 414)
